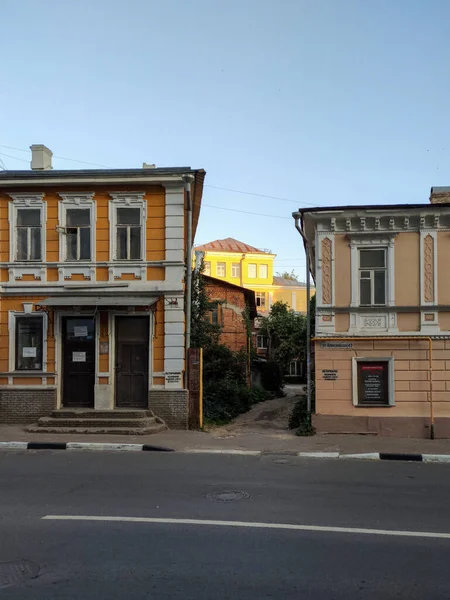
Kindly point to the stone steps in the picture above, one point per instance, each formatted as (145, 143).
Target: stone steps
(156, 428)
(94, 422)
(87, 413)
(119, 421)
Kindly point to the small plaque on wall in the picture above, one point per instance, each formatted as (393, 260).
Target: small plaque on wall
(173, 378)
(104, 348)
(329, 374)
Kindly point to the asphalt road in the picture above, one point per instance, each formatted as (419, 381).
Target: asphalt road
(48, 558)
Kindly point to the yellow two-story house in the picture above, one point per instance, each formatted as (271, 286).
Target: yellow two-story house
(92, 296)
(253, 268)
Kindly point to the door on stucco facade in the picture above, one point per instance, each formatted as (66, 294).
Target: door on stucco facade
(78, 354)
(131, 368)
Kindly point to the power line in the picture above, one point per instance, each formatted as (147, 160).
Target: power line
(83, 162)
(246, 212)
(14, 157)
(216, 187)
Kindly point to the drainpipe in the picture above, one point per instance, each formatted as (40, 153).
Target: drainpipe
(188, 180)
(308, 313)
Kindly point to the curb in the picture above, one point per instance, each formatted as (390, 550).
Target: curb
(397, 456)
(105, 446)
(82, 446)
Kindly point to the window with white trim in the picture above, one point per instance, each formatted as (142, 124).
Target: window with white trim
(127, 217)
(252, 271)
(78, 234)
(128, 234)
(28, 234)
(261, 342)
(260, 299)
(29, 342)
(235, 270)
(207, 267)
(26, 215)
(221, 269)
(263, 271)
(372, 277)
(77, 217)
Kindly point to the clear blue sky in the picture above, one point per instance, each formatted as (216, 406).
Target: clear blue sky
(319, 101)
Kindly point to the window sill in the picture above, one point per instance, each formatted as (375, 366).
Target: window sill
(27, 374)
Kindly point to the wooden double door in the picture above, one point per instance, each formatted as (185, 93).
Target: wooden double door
(130, 365)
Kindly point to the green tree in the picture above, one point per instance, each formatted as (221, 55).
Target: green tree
(286, 334)
(288, 276)
(203, 333)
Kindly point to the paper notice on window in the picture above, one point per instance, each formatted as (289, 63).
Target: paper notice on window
(29, 352)
(80, 331)
(78, 356)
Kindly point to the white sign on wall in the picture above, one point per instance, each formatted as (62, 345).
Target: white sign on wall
(80, 331)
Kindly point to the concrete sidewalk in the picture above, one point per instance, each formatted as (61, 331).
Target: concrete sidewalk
(264, 441)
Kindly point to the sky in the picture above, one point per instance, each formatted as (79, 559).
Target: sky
(285, 104)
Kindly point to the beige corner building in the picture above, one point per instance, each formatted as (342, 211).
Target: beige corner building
(382, 347)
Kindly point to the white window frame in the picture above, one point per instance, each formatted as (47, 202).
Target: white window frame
(365, 242)
(12, 317)
(263, 338)
(224, 265)
(236, 270)
(75, 201)
(258, 297)
(263, 267)
(372, 277)
(391, 377)
(207, 268)
(26, 202)
(250, 276)
(126, 200)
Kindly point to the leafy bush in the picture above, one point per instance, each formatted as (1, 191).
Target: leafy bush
(225, 399)
(272, 376)
(259, 394)
(300, 419)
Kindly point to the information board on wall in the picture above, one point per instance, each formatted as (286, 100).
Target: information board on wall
(329, 374)
(373, 382)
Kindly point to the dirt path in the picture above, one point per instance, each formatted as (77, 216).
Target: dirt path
(271, 416)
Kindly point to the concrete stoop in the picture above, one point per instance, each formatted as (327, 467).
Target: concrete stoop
(120, 422)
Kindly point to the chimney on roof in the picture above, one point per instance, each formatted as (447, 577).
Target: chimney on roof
(440, 195)
(41, 158)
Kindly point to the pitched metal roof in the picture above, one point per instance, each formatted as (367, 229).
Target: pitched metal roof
(75, 173)
(287, 282)
(229, 245)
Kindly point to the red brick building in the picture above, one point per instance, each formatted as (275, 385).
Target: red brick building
(230, 311)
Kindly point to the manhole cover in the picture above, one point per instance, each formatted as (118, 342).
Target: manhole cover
(227, 496)
(17, 572)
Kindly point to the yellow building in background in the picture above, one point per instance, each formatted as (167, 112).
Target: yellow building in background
(252, 268)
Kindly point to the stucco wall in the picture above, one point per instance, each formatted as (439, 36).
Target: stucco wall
(411, 378)
(407, 271)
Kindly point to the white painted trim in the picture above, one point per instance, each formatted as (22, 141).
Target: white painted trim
(12, 316)
(423, 235)
(76, 201)
(26, 267)
(367, 241)
(391, 375)
(126, 200)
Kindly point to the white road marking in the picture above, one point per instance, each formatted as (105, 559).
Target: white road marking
(319, 454)
(252, 525)
(365, 455)
(442, 458)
